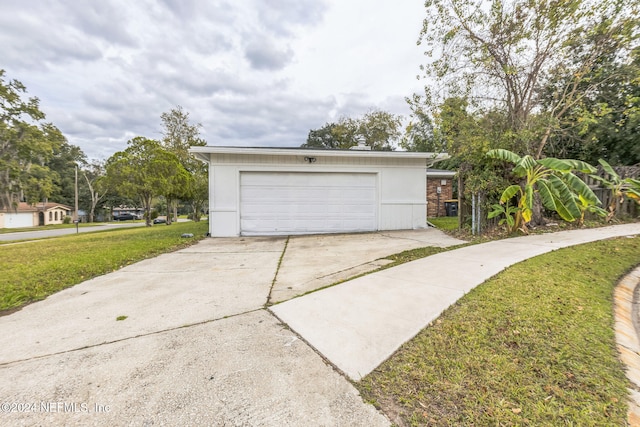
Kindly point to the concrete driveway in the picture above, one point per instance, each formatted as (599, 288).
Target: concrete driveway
(196, 346)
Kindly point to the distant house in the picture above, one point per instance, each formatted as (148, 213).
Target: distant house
(439, 190)
(27, 215)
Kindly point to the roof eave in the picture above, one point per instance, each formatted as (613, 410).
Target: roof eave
(204, 153)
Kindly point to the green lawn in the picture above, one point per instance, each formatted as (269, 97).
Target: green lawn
(533, 346)
(31, 271)
(445, 222)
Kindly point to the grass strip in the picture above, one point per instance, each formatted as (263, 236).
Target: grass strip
(445, 222)
(414, 254)
(533, 346)
(53, 227)
(33, 271)
(275, 276)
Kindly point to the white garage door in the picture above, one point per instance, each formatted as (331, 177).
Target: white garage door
(273, 203)
(17, 220)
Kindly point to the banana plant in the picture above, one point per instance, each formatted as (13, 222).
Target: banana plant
(586, 200)
(620, 188)
(553, 179)
(512, 214)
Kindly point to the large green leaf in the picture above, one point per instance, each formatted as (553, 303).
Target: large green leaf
(526, 164)
(581, 189)
(633, 194)
(580, 166)
(502, 154)
(633, 182)
(567, 165)
(546, 195)
(496, 211)
(603, 181)
(615, 178)
(509, 193)
(597, 210)
(565, 200)
(555, 164)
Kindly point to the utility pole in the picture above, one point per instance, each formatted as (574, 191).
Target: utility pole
(75, 212)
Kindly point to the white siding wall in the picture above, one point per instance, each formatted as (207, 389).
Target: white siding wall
(224, 201)
(402, 198)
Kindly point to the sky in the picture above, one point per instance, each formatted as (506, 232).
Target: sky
(251, 72)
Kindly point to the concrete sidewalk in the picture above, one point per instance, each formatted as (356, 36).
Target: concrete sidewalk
(359, 324)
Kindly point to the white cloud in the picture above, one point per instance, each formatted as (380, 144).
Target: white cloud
(253, 72)
(263, 54)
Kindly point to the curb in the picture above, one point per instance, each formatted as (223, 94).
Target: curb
(627, 306)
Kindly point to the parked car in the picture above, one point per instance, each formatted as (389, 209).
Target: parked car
(160, 220)
(124, 217)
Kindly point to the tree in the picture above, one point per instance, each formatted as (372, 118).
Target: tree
(144, 170)
(325, 138)
(26, 144)
(38, 183)
(379, 129)
(94, 176)
(62, 164)
(421, 133)
(467, 136)
(604, 125)
(504, 54)
(197, 192)
(333, 136)
(178, 136)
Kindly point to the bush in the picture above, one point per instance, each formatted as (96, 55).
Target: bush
(66, 220)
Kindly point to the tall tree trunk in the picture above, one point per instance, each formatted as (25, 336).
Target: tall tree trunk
(146, 204)
(169, 210)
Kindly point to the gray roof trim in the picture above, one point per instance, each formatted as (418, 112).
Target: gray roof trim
(203, 152)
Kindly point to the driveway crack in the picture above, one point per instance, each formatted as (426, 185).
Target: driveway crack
(147, 334)
(275, 276)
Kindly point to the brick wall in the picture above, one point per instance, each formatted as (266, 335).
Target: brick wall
(432, 195)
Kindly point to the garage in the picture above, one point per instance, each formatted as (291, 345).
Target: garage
(307, 203)
(285, 191)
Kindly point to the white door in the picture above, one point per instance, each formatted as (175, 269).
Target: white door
(278, 203)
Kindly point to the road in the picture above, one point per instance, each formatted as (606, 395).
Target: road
(41, 234)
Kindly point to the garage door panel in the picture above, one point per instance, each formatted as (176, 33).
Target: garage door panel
(295, 203)
(18, 220)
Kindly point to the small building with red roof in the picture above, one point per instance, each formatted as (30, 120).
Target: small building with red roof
(28, 215)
